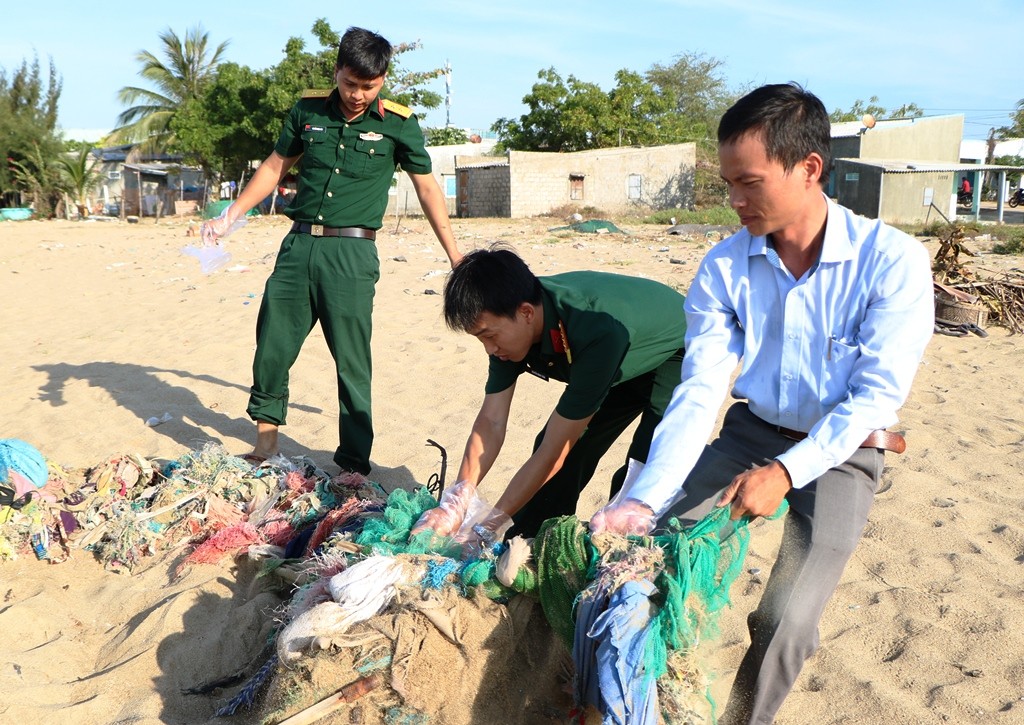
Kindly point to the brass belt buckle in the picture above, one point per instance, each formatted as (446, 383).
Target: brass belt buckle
(317, 230)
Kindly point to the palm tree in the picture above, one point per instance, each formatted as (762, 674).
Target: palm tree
(188, 68)
(80, 177)
(38, 177)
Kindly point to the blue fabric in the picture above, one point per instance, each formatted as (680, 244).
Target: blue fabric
(17, 455)
(832, 354)
(608, 650)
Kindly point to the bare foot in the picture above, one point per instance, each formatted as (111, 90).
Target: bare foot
(266, 440)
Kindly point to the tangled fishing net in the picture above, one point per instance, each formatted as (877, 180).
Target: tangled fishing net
(562, 624)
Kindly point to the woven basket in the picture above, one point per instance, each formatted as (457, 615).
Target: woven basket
(958, 312)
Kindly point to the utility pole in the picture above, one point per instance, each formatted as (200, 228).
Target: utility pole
(447, 94)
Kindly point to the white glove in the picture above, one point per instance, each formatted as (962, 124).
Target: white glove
(629, 516)
(446, 518)
(227, 222)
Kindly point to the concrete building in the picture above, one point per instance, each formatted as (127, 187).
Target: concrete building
(402, 199)
(903, 192)
(613, 180)
(137, 184)
(903, 171)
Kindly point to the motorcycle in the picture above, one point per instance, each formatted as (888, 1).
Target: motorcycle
(1016, 197)
(964, 198)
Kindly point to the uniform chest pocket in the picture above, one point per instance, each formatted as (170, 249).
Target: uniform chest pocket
(370, 157)
(316, 147)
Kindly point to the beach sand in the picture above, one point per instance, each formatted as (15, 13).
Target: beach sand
(107, 324)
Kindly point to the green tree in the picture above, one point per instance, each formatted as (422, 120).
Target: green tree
(668, 104)
(563, 115)
(697, 91)
(641, 115)
(80, 177)
(187, 68)
(301, 69)
(231, 124)
(28, 139)
(859, 109)
(1013, 177)
(1016, 127)
(74, 145)
(238, 116)
(448, 136)
(37, 176)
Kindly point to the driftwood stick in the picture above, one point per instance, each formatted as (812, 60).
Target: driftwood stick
(347, 694)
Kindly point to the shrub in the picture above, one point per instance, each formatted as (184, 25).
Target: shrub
(714, 215)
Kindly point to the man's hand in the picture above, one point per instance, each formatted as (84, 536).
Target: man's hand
(214, 229)
(630, 516)
(757, 492)
(481, 536)
(446, 519)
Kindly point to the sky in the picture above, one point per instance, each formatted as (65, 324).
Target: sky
(945, 56)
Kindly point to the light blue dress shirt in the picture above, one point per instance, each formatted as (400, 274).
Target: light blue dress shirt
(832, 354)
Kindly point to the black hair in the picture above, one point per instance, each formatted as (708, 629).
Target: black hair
(365, 53)
(792, 121)
(491, 280)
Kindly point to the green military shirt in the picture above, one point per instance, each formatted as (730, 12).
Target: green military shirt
(600, 329)
(347, 166)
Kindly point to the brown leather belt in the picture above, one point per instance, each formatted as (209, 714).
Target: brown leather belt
(319, 230)
(884, 439)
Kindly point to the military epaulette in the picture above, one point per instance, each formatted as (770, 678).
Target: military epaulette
(397, 108)
(316, 93)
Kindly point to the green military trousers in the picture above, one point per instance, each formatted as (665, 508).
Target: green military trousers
(647, 396)
(330, 279)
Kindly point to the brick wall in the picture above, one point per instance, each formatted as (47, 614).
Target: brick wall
(662, 178)
(483, 191)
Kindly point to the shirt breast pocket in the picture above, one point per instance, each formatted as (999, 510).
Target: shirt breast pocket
(837, 363)
(315, 149)
(373, 157)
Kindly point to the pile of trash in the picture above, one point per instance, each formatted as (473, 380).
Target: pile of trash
(399, 628)
(129, 508)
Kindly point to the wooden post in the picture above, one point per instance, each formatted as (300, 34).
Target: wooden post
(347, 694)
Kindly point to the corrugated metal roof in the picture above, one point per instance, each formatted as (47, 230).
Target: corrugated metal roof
(846, 129)
(890, 166)
(482, 164)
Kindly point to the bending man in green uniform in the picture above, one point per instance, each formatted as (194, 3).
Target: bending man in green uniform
(615, 340)
(350, 141)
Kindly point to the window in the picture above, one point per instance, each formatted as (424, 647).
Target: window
(576, 187)
(634, 187)
(449, 187)
(113, 175)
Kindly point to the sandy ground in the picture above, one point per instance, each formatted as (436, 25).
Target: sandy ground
(107, 324)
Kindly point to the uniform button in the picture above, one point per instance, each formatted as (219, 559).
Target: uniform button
(337, 171)
(346, 125)
(787, 414)
(320, 217)
(551, 364)
(341, 146)
(330, 193)
(371, 151)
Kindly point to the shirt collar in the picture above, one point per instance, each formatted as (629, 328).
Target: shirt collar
(333, 103)
(551, 318)
(836, 246)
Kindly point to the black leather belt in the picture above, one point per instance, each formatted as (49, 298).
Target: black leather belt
(884, 439)
(319, 230)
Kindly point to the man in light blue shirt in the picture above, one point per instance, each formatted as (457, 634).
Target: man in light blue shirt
(829, 314)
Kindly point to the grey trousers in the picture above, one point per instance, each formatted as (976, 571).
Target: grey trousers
(824, 524)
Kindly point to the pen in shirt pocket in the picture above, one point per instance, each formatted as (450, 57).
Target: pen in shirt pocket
(831, 339)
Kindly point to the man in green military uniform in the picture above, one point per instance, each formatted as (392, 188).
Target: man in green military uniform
(616, 341)
(350, 141)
